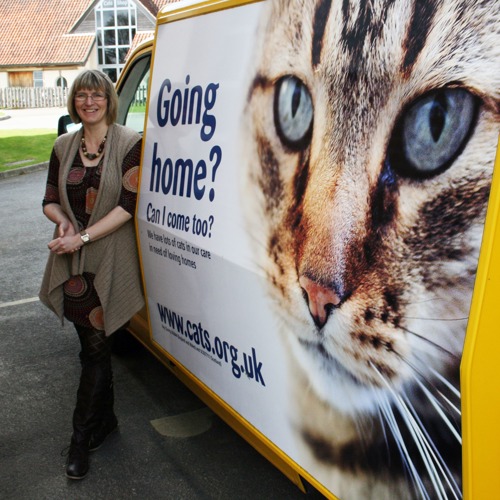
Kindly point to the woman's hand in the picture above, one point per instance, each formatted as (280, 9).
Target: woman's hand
(66, 228)
(69, 243)
(55, 213)
(69, 240)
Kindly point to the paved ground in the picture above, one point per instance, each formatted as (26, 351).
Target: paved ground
(196, 456)
(31, 118)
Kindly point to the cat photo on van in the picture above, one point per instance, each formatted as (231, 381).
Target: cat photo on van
(370, 135)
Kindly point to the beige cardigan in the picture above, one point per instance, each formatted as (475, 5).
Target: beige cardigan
(113, 259)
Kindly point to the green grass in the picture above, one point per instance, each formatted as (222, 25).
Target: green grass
(20, 148)
(137, 109)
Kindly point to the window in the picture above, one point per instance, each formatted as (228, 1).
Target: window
(38, 78)
(62, 82)
(115, 28)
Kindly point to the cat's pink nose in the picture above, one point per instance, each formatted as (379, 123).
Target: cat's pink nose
(321, 300)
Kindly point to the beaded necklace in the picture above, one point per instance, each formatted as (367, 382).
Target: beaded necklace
(93, 156)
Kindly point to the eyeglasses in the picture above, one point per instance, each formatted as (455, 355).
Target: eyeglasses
(95, 96)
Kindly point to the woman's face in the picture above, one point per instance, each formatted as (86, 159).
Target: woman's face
(91, 106)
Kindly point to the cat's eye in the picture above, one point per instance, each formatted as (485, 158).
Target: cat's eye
(432, 132)
(293, 112)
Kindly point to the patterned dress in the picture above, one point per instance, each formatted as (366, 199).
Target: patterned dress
(81, 302)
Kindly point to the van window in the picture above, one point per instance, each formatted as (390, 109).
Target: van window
(132, 95)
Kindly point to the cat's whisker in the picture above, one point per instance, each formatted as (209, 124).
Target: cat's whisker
(423, 382)
(455, 408)
(450, 404)
(426, 453)
(431, 461)
(383, 424)
(441, 463)
(419, 377)
(390, 419)
(446, 382)
(427, 379)
(360, 429)
(426, 301)
(405, 454)
(430, 342)
(437, 407)
(431, 458)
(435, 319)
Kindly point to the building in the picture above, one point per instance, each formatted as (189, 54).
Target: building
(46, 43)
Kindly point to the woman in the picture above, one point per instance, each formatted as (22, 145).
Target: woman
(92, 276)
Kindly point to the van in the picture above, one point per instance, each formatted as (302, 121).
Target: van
(317, 229)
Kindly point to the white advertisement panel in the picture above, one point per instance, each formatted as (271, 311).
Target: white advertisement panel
(314, 185)
(204, 290)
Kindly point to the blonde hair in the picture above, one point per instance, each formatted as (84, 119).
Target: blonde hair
(94, 80)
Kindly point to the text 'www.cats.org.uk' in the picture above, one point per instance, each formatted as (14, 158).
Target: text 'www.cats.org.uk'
(219, 351)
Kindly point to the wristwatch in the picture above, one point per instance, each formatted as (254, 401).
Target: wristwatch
(84, 236)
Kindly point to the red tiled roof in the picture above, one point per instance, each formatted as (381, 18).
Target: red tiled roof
(35, 32)
(140, 36)
(150, 5)
(154, 6)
